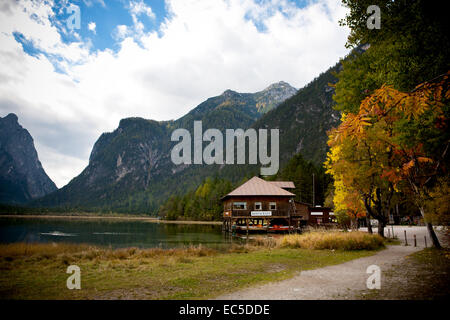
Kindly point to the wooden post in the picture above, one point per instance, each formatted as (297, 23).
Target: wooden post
(415, 241)
(246, 222)
(425, 237)
(406, 240)
(289, 225)
(393, 236)
(389, 233)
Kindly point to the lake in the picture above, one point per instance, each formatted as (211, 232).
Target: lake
(116, 233)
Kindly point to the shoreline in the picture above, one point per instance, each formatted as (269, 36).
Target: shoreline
(136, 218)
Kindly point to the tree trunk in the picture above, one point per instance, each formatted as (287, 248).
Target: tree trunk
(369, 226)
(431, 232)
(354, 224)
(381, 227)
(433, 236)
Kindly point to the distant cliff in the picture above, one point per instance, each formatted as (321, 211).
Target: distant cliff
(22, 177)
(130, 168)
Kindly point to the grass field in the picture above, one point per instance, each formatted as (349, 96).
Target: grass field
(38, 271)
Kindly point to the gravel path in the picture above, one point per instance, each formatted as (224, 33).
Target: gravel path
(335, 282)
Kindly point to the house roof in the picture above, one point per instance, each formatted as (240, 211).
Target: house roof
(283, 184)
(258, 187)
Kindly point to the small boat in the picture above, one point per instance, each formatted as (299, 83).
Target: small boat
(280, 228)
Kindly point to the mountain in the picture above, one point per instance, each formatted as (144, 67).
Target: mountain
(130, 168)
(22, 177)
(237, 110)
(270, 97)
(305, 118)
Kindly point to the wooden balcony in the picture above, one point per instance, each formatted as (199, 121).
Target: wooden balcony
(279, 213)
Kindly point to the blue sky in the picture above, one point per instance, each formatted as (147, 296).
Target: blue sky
(153, 59)
(108, 14)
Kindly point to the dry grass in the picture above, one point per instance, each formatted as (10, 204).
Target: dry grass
(39, 251)
(38, 271)
(333, 240)
(310, 240)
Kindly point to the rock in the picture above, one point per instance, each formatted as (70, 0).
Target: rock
(22, 177)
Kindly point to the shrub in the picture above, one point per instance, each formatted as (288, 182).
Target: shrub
(333, 240)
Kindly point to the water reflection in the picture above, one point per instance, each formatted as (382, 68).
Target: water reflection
(113, 233)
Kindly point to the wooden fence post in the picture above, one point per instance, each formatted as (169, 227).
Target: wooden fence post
(406, 239)
(415, 241)
(425, 237)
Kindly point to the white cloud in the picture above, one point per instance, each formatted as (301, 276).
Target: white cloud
(139, 7)
(92, 26)
(204, 48)
(90, 3)
(136, 9)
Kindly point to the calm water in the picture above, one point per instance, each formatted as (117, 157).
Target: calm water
(114, 233)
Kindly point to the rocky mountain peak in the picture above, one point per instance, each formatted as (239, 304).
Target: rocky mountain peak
(273, 95)
(22, 177)
(230, 94)
(12, 118)
(281, 85)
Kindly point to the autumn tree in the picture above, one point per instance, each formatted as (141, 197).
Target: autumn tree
(437, 206)
(413, 129)
(356, 161)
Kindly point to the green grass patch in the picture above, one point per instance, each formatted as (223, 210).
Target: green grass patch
(38, 271)
(433, 256)
(422, 275)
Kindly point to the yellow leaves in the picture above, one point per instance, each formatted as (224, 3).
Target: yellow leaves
(347, 199)
(364, 121)
(424, 159)
(447, 95)
(389, 104)
(408, 165)
(365, 151)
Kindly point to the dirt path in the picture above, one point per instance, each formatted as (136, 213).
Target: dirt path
(331, 282)
(343, 281)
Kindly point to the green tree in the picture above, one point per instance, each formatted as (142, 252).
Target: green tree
(412, 46)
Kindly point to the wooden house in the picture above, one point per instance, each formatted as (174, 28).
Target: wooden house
(319, 215)
(259, 205)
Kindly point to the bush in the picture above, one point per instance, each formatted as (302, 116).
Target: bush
(333, 240)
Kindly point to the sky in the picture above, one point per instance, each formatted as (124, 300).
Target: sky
(72, 69)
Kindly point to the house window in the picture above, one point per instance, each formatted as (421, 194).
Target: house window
(240, 205)
(258, 206)
(272, 205)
